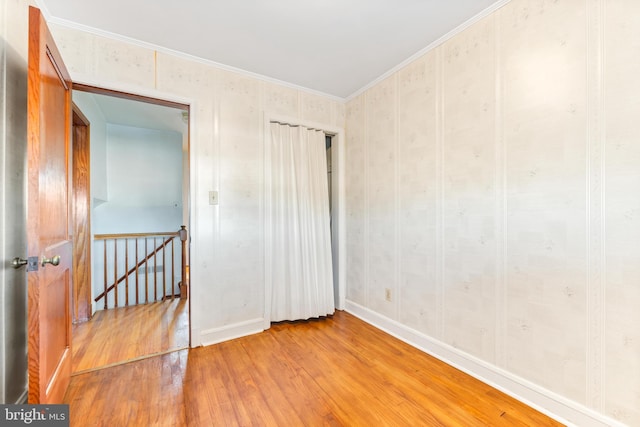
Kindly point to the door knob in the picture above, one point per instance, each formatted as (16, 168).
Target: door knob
(53, 261)
(18, 262)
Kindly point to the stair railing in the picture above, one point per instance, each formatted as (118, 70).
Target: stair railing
(151, 255)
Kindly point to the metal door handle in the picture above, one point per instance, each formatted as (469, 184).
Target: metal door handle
(18, 262)
(53, 261)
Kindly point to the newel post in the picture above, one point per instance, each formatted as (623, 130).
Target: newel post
(184, 288)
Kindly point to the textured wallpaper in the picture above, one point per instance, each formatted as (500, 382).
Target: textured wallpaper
(493, 188)
(226, 144)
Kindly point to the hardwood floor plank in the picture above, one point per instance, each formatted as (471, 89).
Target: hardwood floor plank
(290, 387)
(374, 387)
(337, 371)
(425, 380)
(127, 333)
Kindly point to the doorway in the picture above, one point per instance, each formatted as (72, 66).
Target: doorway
(133, 302)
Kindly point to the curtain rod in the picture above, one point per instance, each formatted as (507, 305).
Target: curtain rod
(298, 126)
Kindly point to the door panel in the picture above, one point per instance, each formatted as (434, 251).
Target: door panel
(49, 125)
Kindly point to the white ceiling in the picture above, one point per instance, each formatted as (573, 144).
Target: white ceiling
(336, 47)
(129, 112)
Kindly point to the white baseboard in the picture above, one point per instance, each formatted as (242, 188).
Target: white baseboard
(555, 406)
(229, 332)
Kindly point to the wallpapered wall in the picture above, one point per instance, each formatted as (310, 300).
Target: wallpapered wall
(493, 185)
(226, 151)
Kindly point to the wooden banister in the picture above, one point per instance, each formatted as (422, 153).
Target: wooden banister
(167, 239)
(135, 235)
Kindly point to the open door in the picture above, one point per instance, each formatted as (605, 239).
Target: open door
(49, 244)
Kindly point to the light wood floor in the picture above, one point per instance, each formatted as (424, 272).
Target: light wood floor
(129, 333)
(332, 372)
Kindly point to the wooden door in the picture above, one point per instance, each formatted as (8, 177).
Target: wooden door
(49, 285)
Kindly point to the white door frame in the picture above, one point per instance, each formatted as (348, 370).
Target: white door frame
(133, 91)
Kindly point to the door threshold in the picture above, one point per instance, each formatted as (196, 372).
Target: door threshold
(124, 362)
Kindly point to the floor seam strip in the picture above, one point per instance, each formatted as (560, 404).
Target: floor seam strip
(124, 362)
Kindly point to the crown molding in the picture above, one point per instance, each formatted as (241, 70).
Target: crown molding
(113, 36)
(460, 28)
(139, 43)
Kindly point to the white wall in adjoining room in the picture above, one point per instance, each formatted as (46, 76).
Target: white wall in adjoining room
(493, 185)
(144, 177)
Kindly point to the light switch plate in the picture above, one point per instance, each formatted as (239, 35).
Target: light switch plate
(213, 197)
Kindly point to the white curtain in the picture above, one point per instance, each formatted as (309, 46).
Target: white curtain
(300, 252)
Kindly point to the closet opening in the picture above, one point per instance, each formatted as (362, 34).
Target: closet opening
(333, 213)
(303, 204)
